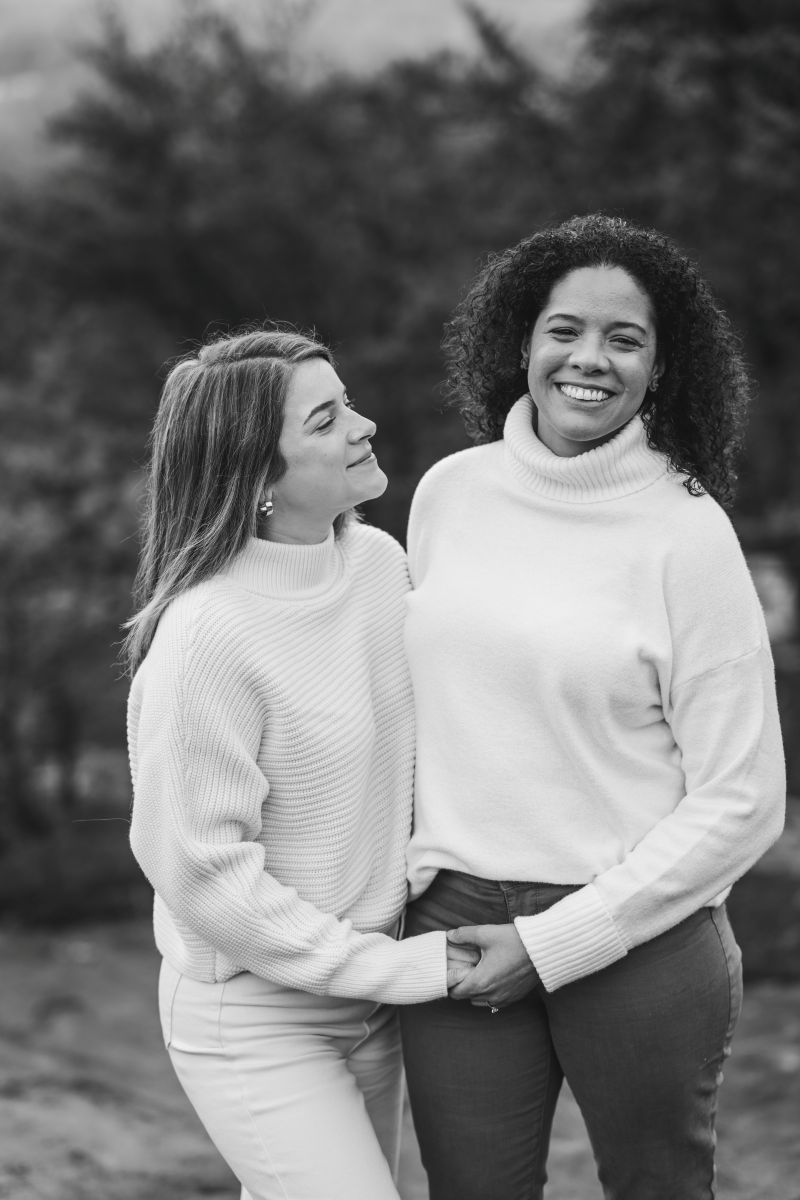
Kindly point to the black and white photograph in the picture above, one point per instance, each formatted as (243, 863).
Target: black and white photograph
(399, 600)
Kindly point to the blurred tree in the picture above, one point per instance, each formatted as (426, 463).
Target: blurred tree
(689, 119)
(207, 184)
(208, 180)
(67, 498)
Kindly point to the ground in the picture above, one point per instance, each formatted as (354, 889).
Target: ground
(90, 1110)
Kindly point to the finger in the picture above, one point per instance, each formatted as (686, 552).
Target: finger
(469, 986)
(463, 953)
(456, 975)
(464, 934)
(467, 954)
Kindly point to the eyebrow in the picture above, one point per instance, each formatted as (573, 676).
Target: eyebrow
(326, 404)
(614, 324)
(319, 408)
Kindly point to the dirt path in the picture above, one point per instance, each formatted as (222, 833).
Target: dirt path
(90, 1110)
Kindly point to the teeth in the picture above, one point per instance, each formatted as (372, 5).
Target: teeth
(580, 393)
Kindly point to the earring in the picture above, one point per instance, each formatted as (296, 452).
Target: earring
(524, 361)
(266, 508)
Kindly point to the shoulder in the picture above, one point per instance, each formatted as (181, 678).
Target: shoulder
(710, 594)
(207, 659)
(201, 610)
(454, 467)
(448, 477)
(698, 531)
(439, 499)
(207, 626)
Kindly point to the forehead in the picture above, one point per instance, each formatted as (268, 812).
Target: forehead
(595, 291)
(312, 382)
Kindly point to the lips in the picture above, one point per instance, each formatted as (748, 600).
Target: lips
(364, 458)
(588, 395)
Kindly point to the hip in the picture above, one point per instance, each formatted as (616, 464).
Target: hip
(247, 1006)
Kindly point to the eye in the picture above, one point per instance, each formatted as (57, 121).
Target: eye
(563, 332)
(627, 343)
(347, 402)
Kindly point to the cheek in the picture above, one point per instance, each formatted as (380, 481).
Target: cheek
(639, 373)
(306, 475)
(307, 461)
(544, 359)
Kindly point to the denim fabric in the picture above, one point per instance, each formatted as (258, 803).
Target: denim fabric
(641, 1043)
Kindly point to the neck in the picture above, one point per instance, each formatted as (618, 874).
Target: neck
(563, 446)
(293, 532)
(288, 568)
(619, 466)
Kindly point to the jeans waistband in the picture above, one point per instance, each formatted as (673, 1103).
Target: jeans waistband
(457, 898)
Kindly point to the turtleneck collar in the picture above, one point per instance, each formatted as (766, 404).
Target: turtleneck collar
(288, 569)
(622, 465)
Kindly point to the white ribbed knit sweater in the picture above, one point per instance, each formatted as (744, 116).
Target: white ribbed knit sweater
(594, 687)
(270, 730)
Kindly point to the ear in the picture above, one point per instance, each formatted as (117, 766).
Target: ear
(656, 375)
(525, 349)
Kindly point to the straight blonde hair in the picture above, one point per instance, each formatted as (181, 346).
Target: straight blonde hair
(213, 452)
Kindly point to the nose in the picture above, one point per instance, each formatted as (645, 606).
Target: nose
(362, 429)
(588, 355)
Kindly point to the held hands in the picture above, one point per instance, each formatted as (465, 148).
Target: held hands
(504, 972)
(460, 961)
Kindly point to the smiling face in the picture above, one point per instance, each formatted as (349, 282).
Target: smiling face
(592, 355)
(330, 466)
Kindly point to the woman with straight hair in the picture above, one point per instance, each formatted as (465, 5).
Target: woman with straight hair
(271, 740)
(599, 755)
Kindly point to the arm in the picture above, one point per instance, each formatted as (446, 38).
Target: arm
(718, 697)
(198, 793)
(727, 727)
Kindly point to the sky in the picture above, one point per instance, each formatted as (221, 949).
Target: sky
(39, 72)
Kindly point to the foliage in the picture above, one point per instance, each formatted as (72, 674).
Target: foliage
(208, 181)
(690, 123)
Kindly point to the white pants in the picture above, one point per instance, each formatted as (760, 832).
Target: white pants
(301, 1095)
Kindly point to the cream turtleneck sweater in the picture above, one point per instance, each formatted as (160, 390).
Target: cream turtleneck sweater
(271, 739)
(594, 688)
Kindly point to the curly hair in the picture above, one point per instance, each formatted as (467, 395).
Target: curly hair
(697, 415)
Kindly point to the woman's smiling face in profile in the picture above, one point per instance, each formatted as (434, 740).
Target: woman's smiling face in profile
(330, 466)
(592, 355)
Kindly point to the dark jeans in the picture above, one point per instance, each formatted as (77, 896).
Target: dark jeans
(640, 1043)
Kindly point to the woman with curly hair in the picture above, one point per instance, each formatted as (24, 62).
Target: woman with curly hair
(599, 754)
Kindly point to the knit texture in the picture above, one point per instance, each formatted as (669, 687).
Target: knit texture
(271, 739)
(594, 687)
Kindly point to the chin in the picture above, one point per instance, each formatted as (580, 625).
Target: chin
(589, 430)
(376, 487)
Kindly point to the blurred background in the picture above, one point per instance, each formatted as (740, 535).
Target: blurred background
(170, 169)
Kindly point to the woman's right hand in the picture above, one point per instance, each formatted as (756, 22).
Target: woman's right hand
(506, 972)
(460, 961)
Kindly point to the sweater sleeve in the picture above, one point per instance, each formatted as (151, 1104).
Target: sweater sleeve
(722, 710)
(198, 796)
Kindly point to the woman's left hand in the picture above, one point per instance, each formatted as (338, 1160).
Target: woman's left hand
(504, 974)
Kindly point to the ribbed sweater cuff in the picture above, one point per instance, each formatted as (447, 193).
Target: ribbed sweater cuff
(573, 938)
(424, 969)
